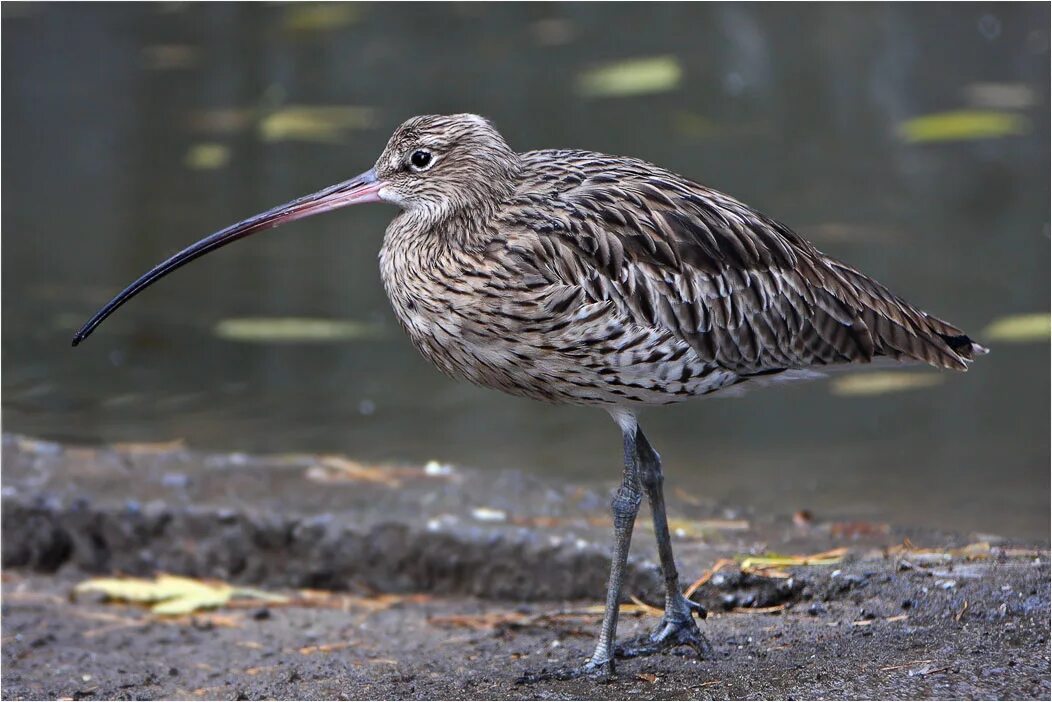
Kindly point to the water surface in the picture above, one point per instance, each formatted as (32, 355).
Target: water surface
(132, 130)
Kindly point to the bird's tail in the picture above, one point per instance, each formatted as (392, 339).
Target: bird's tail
(905, 333)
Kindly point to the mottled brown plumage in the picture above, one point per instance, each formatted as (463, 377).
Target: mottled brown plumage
(576, 277)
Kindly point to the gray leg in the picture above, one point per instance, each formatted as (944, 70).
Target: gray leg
(625, 508)
(677, 626)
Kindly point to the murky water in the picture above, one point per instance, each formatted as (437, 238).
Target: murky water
(130, 131)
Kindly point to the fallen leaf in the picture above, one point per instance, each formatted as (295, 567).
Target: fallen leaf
(958, 125)
(699, 528)
(759, 610)
(775, 560)
(879, 383)
(172, 595)
(324, 648)
(150, 448)
(295, 330)
(1020, 328)
(639, 76)
(339, 469)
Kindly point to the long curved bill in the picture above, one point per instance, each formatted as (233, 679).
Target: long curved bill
(363, 188)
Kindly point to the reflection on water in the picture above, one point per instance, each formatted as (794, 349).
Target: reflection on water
(910, 140)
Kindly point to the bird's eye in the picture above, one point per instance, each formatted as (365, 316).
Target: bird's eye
(420, 160)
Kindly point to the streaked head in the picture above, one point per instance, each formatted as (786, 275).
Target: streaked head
(434, 167)
(439, 164)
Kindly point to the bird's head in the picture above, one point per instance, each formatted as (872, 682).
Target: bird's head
(437, 165)
(434, 167)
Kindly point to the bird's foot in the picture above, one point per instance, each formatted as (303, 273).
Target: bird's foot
(599, 670)
(677, 628)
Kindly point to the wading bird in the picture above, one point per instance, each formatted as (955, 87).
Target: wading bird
(576, 277)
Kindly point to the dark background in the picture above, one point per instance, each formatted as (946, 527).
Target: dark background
(132, 130)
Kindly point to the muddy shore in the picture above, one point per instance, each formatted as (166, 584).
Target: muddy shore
(438, 582)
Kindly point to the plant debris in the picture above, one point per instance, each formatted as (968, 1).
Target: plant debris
(173, 595)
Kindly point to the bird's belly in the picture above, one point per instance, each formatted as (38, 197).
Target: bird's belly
(600, 364)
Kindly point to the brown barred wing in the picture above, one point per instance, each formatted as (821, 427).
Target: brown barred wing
(744, 291)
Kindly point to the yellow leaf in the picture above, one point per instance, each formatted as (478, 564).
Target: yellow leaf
(696, 529)
(1020, 328)
(171, 594)
(320, 16)
(860, 384)
(958, 125)
(294, 329)
(324, 123)
(149, 448)
(640, 76)
(776, 560)
(207, 157)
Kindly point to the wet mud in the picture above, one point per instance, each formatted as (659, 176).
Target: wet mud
(432, 582)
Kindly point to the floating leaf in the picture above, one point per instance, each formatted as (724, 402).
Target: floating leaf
(320, 16)
(958, 125)
(641, 76)
(295, 329)
(207, 156)
(172, 595)
(860, 384)
(325, 123)
(1020, 328)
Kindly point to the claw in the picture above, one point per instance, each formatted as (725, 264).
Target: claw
(677, 628)
(697, 608)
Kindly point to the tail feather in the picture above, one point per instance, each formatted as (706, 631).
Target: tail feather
(904, 332)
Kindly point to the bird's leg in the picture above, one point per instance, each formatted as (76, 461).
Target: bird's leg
(625, 507)
(677, 626)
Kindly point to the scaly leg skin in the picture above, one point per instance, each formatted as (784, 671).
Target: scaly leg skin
(625, 508)
(677, 627)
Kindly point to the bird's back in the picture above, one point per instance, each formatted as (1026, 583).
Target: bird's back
(745, 292)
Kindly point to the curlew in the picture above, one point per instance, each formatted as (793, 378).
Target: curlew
(581, 278)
